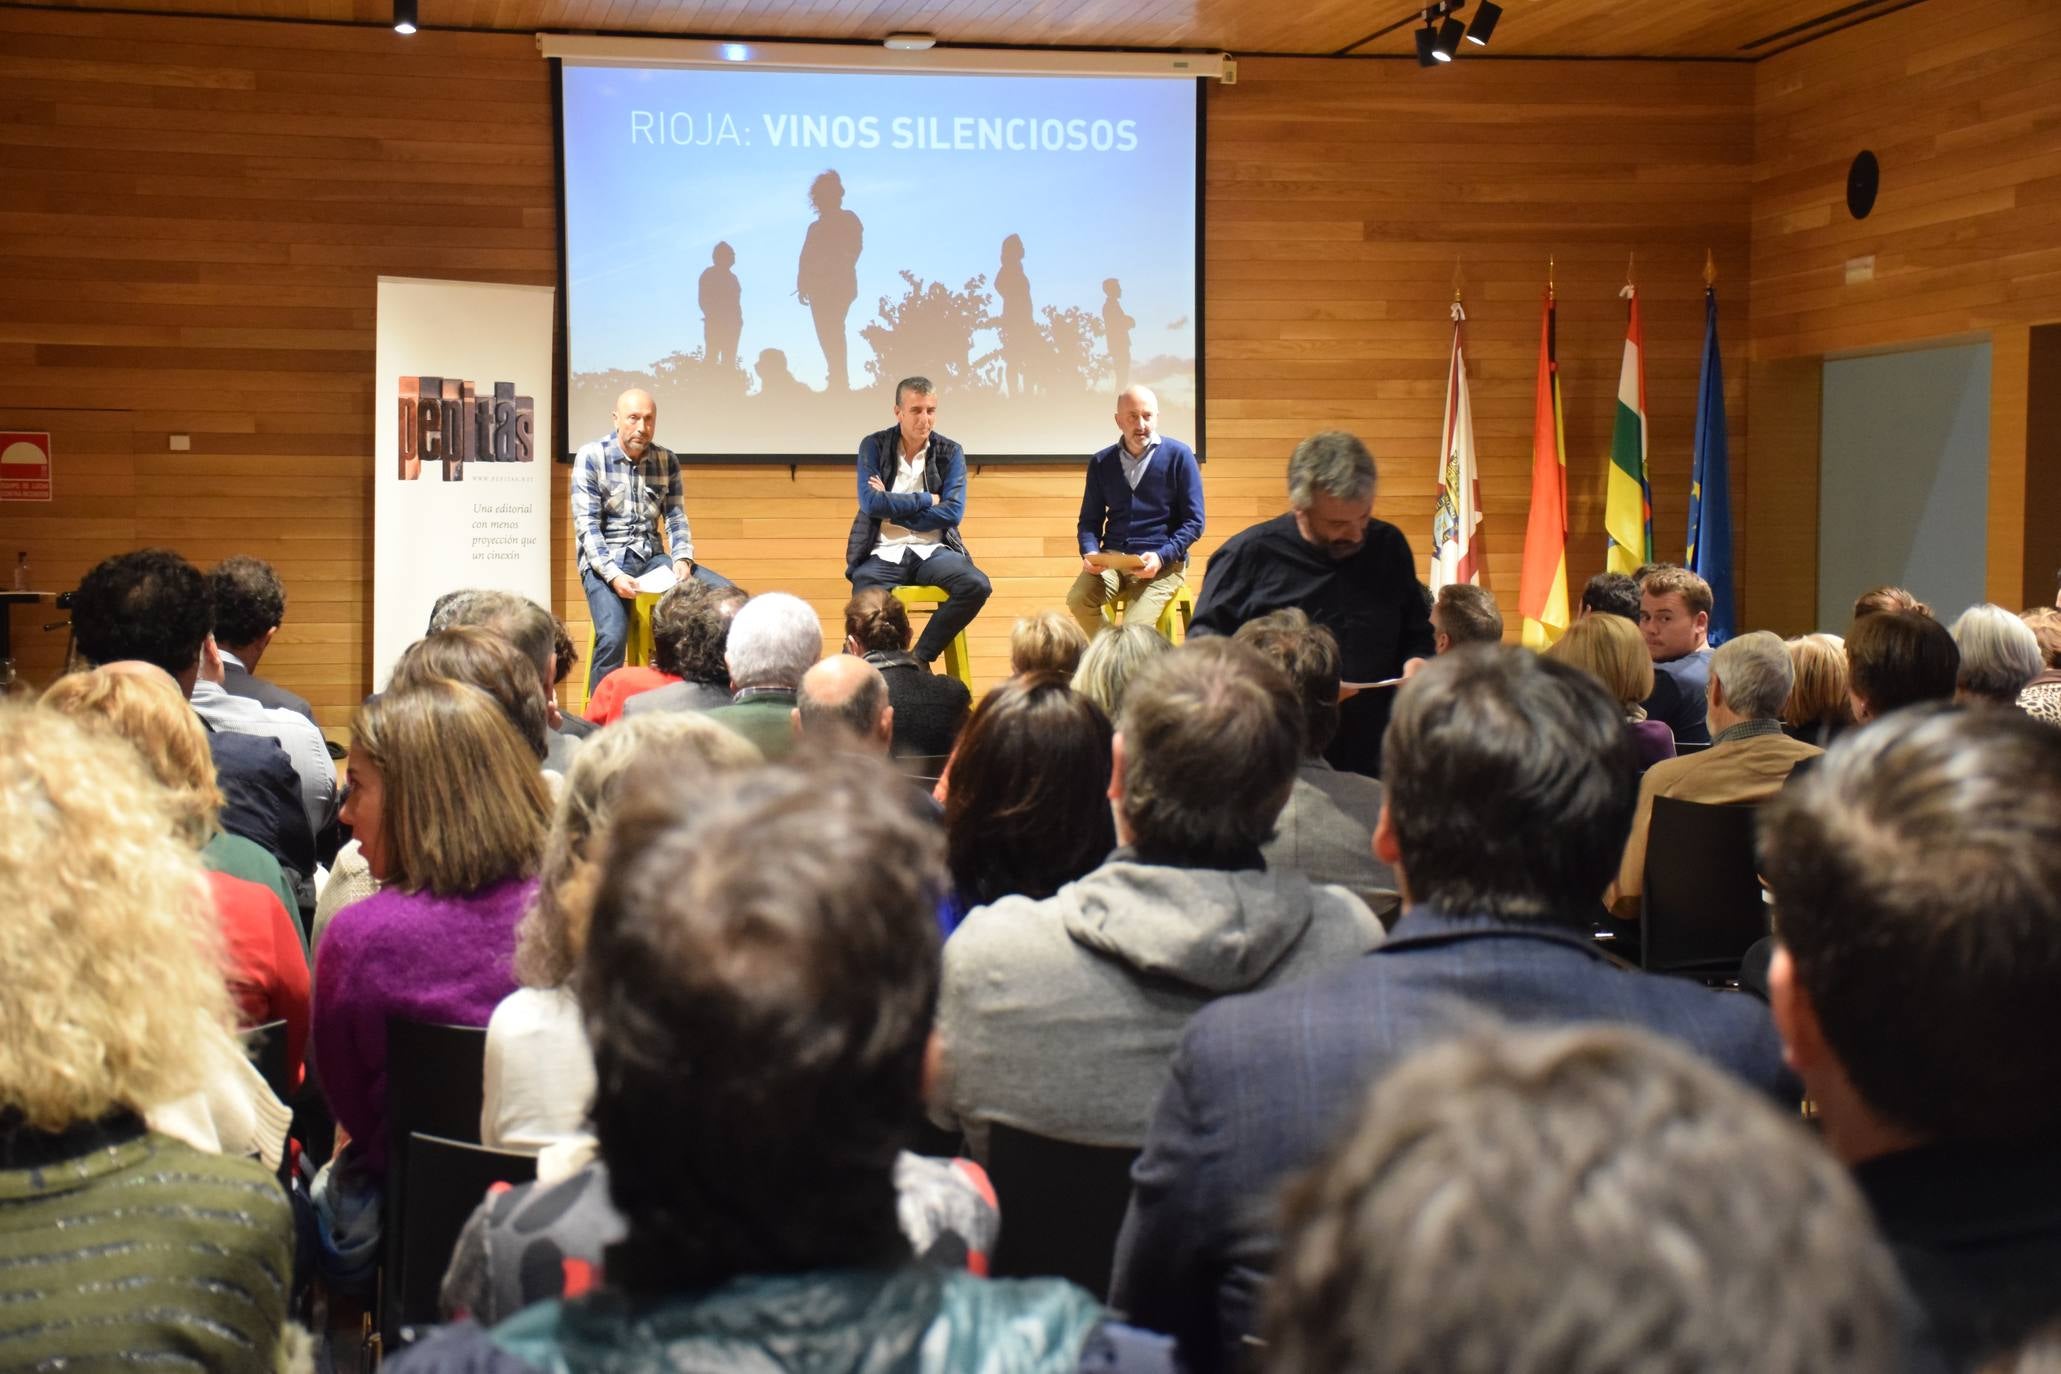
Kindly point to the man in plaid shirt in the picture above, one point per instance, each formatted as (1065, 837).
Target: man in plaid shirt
(623, 487)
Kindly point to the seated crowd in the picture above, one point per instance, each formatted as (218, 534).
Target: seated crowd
(765, 953)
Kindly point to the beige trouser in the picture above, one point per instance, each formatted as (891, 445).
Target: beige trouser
(1143, 600)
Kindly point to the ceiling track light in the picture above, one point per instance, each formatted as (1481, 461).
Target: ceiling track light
(1448, 41)
(1484, 25)
(404, 16)
(1427, 42)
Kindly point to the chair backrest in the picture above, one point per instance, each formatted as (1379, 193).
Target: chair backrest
(435, 1085)
(1702, 908)
(267, 1046)
(1062, 1205)
(445, 1181)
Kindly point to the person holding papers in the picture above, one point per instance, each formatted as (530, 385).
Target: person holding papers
(1141, 512)
(624, 486)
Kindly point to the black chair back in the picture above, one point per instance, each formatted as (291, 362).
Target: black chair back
(267, 1046)
(1062, 1205)
(445, 1180)
(435, 1085)
(1703, 907)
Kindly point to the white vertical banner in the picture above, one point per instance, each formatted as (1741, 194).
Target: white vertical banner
(462, 469)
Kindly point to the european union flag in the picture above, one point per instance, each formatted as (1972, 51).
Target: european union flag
(1710, 490)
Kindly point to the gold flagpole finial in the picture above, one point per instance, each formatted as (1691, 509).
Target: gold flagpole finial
(1709, 269)
(1459, 280)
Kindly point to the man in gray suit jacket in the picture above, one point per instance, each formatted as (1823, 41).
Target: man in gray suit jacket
(1510, 786)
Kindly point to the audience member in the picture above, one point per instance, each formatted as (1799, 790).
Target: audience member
(2041, 698)
(1819, 707)
(696, 653)
(929, 707)
(1674, 617)
(1610, 593)
(1749, 757)
(152, 605)
(250, 604)
(478, 658)
(774, 638)
(539, 1075)
(2000, 655)
(1463, 613)
(1609, 648)
(1876, 600)
(1028, 810)
(303, 744)
(1326, 831)
(1059, 1015)
(1509, 788)
(1916, 874)
(451, 811)
(265, 959)
(1046, 642)
(670, 618)
(843, 704)
(774, 934)
(564, 658)
(534, 633)
(1583, 1201)
(1898, 658)
(124, 1247)
(1113, 658)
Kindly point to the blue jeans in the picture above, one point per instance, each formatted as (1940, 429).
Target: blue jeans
(966, 591)
(612, 613)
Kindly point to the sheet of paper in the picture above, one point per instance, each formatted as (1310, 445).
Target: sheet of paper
(659, 580)
(1122, 562)
(1347, 690)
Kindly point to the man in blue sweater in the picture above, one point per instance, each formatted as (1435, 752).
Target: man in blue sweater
(1144, 498)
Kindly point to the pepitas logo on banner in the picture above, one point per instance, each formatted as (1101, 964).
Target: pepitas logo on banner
(444, 420)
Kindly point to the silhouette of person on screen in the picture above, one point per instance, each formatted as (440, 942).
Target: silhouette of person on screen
(722, 309)
(828, 279)
(1116, 327)
(776, 383)
(1019, 327)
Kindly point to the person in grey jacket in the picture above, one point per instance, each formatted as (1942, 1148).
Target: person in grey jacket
(1060, 1016)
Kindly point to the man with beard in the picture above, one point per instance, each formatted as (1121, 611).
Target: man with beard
(1352, 574)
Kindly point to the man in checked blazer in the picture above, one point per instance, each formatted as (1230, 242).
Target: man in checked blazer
(1510, 784)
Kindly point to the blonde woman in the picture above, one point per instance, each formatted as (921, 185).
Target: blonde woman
(539, 1071)
(265, 962)
(1048, 642)
(118, 1245)
(1611, 650)
(1112, 660)
(1818, 707)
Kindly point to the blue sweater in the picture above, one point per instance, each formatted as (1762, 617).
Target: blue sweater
(1163, 516)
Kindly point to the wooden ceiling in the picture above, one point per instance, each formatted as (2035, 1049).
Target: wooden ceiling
(1736, 29)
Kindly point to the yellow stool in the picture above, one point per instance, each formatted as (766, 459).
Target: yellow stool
(1180, 610)
(958, 663)
(636, 647)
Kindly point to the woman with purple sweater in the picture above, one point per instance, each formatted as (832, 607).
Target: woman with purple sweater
(451, 813)
(1610, 649)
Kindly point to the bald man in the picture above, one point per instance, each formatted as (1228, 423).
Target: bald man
(843, 702)
(624, 487)
(1144, 498)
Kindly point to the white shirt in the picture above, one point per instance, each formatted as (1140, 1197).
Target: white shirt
(895, 540)
(539, 1072)
(296, 734)
(1134, 468)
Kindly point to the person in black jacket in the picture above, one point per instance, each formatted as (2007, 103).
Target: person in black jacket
(1351, 573)
(929, 707)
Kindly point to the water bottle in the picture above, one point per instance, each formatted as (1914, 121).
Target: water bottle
(21, 571)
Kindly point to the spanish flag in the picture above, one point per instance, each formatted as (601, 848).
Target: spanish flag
(1628, 497)
(1542, 591)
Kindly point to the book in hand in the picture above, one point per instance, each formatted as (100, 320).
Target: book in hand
(1109, 560)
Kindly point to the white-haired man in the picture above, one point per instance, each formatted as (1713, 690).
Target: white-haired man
(774, 639)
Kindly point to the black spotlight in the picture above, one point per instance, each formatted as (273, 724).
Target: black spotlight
(1427, 41)
(1484, 26)
(404, 16)
(1448, 41)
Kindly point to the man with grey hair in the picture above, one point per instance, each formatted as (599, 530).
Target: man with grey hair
(912, 496)
(1060, 1015)
(774, 639)
(843, 703)
(2000, 655)
(1144, 501)
(1749, 757)
(1580, 1201)
(1353, 574)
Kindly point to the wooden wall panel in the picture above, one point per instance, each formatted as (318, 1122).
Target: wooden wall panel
(1960, 100)
(199, 210)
